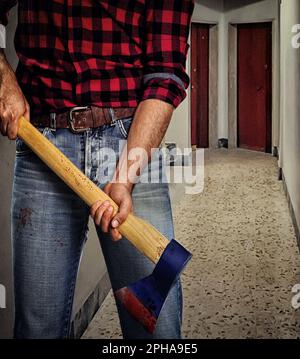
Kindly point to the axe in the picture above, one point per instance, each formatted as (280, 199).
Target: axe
(143, 299)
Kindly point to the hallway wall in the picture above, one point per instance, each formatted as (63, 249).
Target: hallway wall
(7, 150)
(223, 13)
(241, 11)
(290, 104)
(206, 11)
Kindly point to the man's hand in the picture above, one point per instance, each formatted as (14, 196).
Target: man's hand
(103, 213)
(148, 128)
(13, 104)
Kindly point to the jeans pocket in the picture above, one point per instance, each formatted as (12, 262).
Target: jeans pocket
(124, 126)
(22, 149)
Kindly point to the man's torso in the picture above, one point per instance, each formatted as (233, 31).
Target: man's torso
(80, 52)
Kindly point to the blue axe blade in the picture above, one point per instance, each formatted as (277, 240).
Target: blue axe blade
(145, 298)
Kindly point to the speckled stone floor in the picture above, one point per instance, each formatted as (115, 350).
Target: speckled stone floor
(246, 260)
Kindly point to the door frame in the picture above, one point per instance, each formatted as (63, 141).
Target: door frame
(212, 85)
(233, 84)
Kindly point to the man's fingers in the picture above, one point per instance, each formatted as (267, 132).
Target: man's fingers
(12, 129)
(10, 119)
(96, 205)
(115, 234)
(27, 112)
(124, 210)
(97, 211)
(5, 119)
(3, 127)
(106, 218)
(102, 214)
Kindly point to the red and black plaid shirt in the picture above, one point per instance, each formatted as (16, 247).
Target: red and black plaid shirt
(107, 53)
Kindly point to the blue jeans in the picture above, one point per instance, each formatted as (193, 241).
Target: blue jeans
(49, 227)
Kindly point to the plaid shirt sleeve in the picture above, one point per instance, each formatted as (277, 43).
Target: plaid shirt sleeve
(167, 27)
(5, 6)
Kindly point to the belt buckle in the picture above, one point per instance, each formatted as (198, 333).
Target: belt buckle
(71, 119)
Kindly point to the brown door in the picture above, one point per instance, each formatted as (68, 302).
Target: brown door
(199, 84)
(255, 86)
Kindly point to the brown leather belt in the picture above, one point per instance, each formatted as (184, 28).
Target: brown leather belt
(80, 119)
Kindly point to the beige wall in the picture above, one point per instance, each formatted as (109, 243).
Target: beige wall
(7, 150)
(224, 13)
(239, 11)
(206, 11)
(6, 170)
(92, 268)
(250, 11)
(290, 104)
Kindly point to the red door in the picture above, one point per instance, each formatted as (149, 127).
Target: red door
(199, 84)
(255, 86)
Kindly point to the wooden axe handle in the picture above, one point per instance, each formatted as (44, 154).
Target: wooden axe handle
(141, 234)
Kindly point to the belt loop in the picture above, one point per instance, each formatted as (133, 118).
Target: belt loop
(93, 116)
(112, 115)
(53, 120)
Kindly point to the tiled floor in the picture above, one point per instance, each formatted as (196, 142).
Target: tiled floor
(246, 261)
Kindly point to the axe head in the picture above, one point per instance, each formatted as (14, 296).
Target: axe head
(145, 298)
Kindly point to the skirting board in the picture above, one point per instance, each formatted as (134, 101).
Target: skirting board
(86, 313)
(297, 229)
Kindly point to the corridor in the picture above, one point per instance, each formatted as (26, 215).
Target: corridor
(245, 255)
